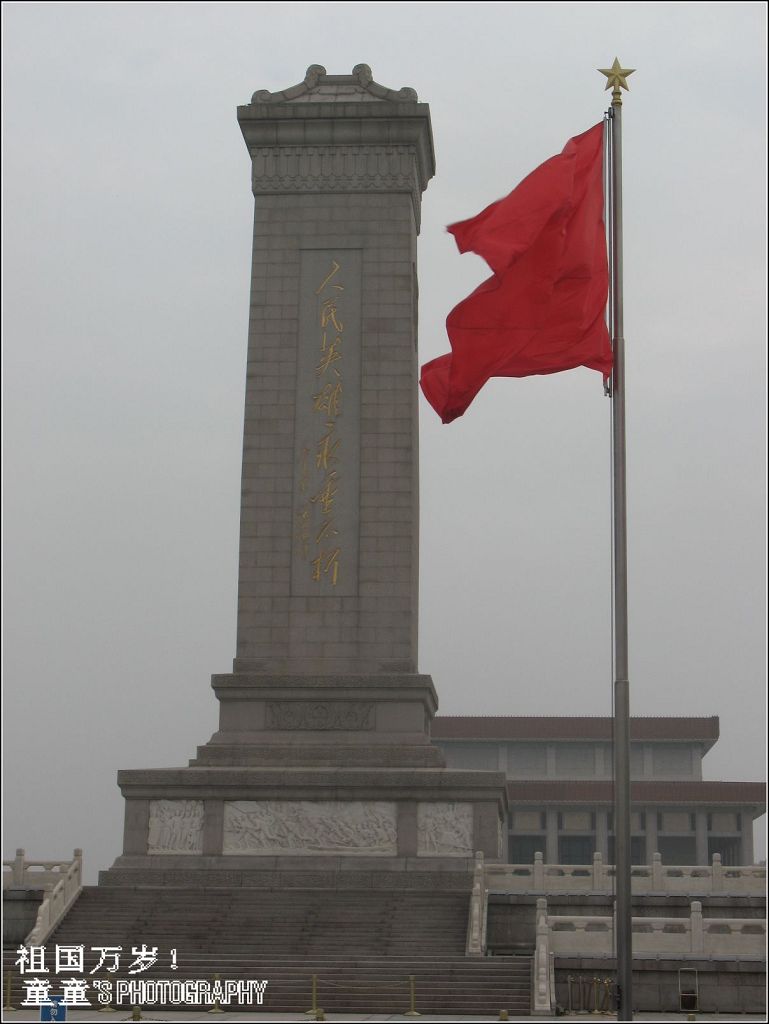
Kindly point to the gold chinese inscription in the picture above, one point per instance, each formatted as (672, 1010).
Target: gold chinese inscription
(320, 479)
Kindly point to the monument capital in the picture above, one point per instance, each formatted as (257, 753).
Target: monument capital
(339, 117)
(320, 87)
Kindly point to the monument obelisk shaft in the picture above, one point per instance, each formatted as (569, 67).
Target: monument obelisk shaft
(329, 517)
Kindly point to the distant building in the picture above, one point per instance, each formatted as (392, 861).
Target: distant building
(560, 789)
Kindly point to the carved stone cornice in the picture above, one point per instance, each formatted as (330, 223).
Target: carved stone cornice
(348, 113)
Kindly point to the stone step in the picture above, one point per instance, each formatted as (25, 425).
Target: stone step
(362, 946)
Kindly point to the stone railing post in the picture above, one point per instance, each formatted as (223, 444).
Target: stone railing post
(542, 992)
(697, 934)
(717, 874)
(599, 883)
(18, 868)
(77, 859)
(539, 872)
(658, 884)
(480, 868)
(476, 924)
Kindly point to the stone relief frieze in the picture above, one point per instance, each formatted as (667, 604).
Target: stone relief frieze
(342, 715)
(310, 168)
(282, 169)
(445, 828)
(176, 826)
(306, 827)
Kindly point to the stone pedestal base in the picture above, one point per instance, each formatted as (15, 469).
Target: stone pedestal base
(278, 827)
(332, 721)
(325, 781)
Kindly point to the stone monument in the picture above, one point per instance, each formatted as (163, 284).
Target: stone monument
(322, 772)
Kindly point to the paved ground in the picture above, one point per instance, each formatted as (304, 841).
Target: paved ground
(338, 1018)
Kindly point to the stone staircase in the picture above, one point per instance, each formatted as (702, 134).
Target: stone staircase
(362, 946)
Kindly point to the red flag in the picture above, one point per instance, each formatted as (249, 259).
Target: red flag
(543, 309)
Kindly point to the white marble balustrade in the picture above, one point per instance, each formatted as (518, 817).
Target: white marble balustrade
(652, 878)
(584, 935)
(61, 880)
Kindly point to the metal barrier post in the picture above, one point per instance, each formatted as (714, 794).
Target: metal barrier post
(582, 1008)
(314, 1007)
(217, 1007)
(606, 1004)
(108, 1007)
(8, 1008)
(412, 1010)
(595, 995)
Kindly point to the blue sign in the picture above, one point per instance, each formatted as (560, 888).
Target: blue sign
(54, 1009)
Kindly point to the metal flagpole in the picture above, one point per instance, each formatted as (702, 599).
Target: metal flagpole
(616, 80)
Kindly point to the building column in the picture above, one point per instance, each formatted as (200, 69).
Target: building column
(602, 834)
(648, 761)
(701, 833)
(502, 759)
(746, 853)
(651, 834)
(551, 836)
(550, 751)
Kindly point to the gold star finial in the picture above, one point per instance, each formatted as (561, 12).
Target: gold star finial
(616, 79)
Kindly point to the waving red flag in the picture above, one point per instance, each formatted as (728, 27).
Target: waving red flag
(543, 309)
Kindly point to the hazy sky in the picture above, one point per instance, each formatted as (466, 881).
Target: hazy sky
(127, 234)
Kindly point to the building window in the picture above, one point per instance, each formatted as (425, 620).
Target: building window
(521, 849)
(729, 848)
(677, 849)
(576, 849)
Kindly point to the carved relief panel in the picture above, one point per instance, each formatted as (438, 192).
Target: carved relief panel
(445, 829)
(175, 826)
(307, 827)
(342, 715)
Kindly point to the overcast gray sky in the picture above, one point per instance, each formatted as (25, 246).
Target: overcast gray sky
(127, 233)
